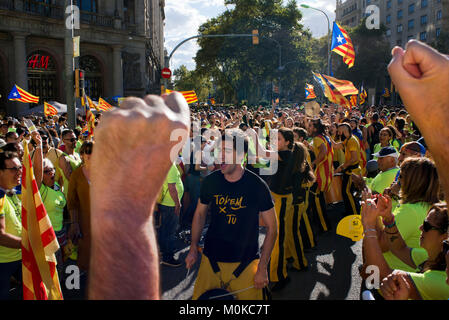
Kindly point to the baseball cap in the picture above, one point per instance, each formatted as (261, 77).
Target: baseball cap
(387, 152)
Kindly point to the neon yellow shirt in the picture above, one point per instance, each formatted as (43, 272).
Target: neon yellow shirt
(173, 176)
(409, 217)
(383, 180)
(54, 202)
(10, 209)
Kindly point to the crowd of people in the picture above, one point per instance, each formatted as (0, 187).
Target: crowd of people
(215, 190)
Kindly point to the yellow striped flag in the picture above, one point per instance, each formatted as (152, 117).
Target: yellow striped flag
(103, 105)
(330, 91)
(90, 118)
(18, 94)
(190, 96)
(39, 242)
(345, 87)
(49, 110)
(342, 45)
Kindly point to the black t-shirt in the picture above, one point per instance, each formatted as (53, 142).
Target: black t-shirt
(233, 234)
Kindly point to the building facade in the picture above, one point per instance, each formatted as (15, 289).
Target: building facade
(404, 19)
(121, 48)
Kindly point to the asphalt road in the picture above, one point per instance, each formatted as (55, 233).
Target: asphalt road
(332, 273)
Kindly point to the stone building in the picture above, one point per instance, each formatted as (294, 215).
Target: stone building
(405, 19)
(121, 48)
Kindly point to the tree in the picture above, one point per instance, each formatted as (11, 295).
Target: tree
(242, 71)
(185, 80)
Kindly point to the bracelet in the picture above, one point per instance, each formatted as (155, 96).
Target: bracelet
(391, 232)
(390, 224)
(370, 230)
(371, 237)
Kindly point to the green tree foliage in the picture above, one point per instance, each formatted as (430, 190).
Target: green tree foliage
(243, 71)
(186, 80)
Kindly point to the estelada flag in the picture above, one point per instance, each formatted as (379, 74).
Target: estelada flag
(39, 242)
(49, 110)
(342, 45)
(353, 101)
(310, 92)
(103, 105)
(190, 96)
(330, 91)
(345, 87)
(18, 94)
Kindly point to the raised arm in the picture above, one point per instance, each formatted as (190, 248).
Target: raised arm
(135, 157)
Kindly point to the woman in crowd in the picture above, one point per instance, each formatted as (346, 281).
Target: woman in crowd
(429, 282)
(385, 137)
(285, 185)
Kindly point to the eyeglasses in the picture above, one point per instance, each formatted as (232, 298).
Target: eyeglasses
(50, 170)
(426, 226)
(16, 169)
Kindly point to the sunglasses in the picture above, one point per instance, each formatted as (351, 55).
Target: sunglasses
(426, 226)
(71, 140)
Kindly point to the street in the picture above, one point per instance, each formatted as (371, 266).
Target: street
(332, 273)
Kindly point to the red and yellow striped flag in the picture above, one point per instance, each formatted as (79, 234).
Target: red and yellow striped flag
(190, 96)
(39, 243)
(18, 94)
(49, 110)
(342, 45)
(103, 105)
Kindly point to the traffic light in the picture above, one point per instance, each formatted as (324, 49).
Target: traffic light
(79, 82)
(255, 37)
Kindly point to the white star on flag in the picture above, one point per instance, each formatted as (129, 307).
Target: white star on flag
(15, 94)
(340, 39)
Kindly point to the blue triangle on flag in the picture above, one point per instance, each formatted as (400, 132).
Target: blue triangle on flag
(338, 38)
(14, 94)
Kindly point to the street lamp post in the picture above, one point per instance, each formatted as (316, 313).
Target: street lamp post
(328, 36)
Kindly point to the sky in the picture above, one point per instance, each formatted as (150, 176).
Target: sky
(183, 17)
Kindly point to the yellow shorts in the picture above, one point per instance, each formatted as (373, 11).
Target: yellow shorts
(207, 279)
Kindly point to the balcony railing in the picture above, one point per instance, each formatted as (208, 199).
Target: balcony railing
(7, 4)
(43, 9)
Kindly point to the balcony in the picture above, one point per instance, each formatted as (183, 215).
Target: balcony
(6, 4)
(42, 9)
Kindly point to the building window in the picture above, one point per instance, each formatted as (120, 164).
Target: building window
(93, 76)
(400, 2)
(400, 14)
(389, 18)
(423, 36)
(439, 15)
(399, 42)
(411, 8)
(438, 32)
(388, 33)
(411, 24)
(389, 4)
(399, 28)
(424, 3)
(87, 5)
(42, 76)
(424, 19)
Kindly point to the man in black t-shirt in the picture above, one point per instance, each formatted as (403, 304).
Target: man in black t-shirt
(238, 199)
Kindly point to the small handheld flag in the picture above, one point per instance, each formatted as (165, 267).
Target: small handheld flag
(18, 94)
(342, 45)
(310, 92)
(190, 96)
(49, 110)
(103, 105)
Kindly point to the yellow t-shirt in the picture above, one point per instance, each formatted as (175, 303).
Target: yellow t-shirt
(10, 209)
(352, 144)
